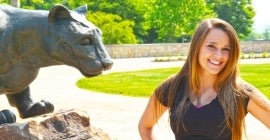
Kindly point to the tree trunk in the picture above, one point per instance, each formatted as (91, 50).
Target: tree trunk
(15, 3)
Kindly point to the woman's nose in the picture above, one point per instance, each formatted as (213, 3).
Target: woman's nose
(218, 53)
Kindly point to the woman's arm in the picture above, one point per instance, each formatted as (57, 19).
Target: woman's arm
(259, 107)
(149, 118)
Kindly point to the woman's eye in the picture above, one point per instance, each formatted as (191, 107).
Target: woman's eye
(85, 41)
(226, 49)
(212, 47)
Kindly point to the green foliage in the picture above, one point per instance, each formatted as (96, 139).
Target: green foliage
(4, 2)
(157, 21)
(253, 36)
(143, 83)
(265, 54)
(266, 34)
(40, 4)
(173, 18)
(130, 17)
(238, 13)
(115, 29)
(72, 4)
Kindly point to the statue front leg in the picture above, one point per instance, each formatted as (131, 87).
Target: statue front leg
(7, 116)
(26, 106)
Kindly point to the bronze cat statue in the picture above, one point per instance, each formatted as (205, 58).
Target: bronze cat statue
(32, 39)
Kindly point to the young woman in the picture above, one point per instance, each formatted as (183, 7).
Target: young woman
(207, 99)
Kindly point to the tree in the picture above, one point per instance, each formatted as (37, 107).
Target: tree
(238, 13)
(128, 10)
(266, 33)
(173, 19)
(40, 4)
(4, 2)
(15, 3)
(115, 29)
(76, 3)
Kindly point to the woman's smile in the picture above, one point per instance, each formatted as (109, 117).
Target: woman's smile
(214, 62)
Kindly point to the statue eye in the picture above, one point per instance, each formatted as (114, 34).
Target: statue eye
(85, 41)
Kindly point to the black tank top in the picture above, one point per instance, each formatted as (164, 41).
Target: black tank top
(204, 123)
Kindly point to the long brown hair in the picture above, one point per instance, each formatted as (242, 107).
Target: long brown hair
(229, 90)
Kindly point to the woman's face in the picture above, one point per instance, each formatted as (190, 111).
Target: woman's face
(214, 52)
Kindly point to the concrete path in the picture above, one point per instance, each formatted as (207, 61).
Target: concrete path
(115, 114)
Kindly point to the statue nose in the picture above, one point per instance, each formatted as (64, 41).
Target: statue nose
(107, 64)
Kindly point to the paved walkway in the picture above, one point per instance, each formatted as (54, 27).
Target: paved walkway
(117, 115)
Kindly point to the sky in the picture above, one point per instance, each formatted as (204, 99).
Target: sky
(262, 17)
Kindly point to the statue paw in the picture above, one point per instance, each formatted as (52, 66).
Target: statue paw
(39, 108)
(6, 116)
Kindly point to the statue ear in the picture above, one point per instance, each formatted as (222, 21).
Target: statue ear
(82, 9)
(58, 12)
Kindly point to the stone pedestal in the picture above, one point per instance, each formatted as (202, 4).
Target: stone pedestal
(65, 124)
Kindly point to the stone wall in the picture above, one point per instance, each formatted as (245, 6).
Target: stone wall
(173, 49)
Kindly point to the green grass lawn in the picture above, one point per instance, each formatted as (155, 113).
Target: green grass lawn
(142, 83)
(258, 75)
